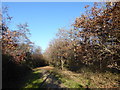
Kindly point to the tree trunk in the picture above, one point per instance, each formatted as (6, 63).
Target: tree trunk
(61, 64)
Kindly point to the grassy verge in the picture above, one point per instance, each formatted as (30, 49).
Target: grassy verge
(66, 80)
(34, 79)
(87, 79)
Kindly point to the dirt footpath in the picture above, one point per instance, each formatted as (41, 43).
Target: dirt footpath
(49, 80)
(45, 68)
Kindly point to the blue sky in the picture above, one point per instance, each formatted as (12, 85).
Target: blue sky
(44, 18)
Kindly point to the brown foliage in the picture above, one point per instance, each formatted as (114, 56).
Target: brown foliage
(94, 40)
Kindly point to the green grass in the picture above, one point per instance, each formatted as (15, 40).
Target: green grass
(87, 79)
(34, 80)
(71, 83)
(66, 81)
(70, 79)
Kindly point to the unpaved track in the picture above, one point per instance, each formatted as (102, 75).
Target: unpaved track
(45, 68)
(48, 78)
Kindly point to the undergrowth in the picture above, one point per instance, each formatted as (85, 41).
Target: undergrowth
(87, 79)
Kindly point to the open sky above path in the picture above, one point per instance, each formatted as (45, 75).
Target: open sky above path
(44, 18)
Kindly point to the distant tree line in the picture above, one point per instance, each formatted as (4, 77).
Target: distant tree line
(93, 40)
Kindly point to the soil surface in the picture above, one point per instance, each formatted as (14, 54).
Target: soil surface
(45, 68)
(49, 81)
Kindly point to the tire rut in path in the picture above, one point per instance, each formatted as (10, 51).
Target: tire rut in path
(49, 80)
